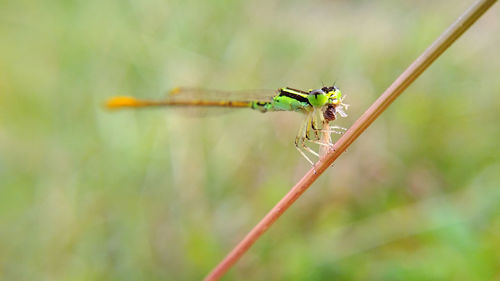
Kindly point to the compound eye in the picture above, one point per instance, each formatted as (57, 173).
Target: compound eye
(317, 98)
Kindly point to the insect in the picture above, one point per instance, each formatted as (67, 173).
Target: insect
(320, 106)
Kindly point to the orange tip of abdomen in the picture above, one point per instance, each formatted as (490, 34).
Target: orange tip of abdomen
(118, 102)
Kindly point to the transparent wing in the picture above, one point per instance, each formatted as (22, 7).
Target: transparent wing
(186, 94)
(194, 95)
(197, 101)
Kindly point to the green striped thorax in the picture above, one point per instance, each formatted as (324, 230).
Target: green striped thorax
(290, 99)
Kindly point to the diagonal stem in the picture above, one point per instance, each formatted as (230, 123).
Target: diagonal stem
(397, 87)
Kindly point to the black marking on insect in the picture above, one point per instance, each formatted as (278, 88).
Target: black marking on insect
(285, 93)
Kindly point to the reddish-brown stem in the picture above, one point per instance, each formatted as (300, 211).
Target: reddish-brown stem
(397, 87)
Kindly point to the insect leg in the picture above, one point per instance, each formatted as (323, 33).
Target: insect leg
(301, 138)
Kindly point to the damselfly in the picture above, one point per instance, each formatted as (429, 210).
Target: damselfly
(320, 106)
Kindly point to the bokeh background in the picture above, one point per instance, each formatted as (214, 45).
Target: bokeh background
(88, 194)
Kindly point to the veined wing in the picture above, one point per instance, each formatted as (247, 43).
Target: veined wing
(187, 93)
(196, 97)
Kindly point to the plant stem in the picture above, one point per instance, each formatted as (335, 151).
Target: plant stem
(396, 88)
(326, 137)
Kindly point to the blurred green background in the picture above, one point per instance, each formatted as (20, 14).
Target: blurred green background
(88, 194)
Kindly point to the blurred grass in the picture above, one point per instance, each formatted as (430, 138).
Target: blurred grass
(91, 195)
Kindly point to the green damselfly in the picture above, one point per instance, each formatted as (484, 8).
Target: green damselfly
(320, 106)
